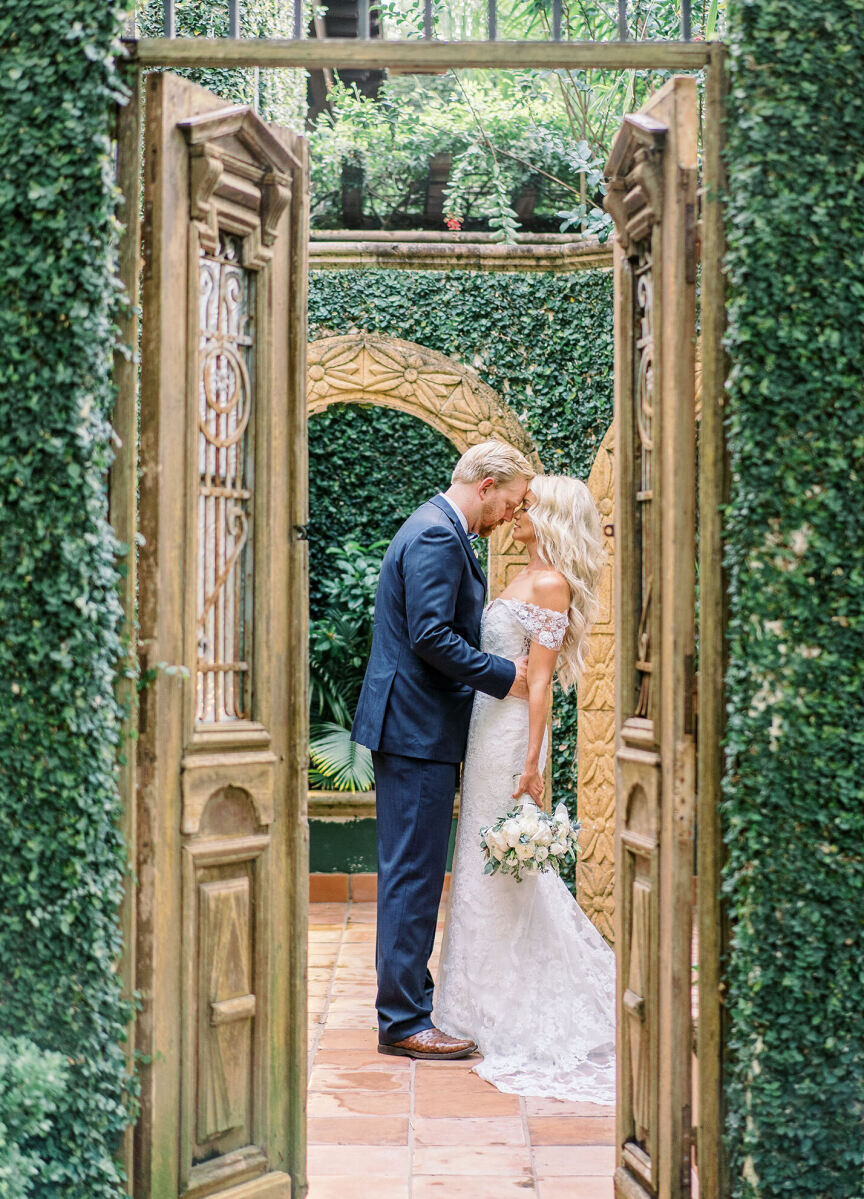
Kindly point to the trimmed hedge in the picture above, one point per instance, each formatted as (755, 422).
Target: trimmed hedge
(794, 798)
(543, 341)
(61, 861)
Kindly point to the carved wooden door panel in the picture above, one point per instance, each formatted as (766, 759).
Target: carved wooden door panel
(221, 917)
(652, 198)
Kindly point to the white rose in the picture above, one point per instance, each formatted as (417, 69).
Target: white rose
(524, 851)
(561, 816)
(542, 853)
(497, 852)
(557, 849)
(543, 836)
(511, 833)
(529, 824)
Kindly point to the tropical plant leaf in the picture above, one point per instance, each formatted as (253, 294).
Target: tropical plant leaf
(339, 763)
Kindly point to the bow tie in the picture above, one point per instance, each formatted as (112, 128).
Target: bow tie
(473, 536)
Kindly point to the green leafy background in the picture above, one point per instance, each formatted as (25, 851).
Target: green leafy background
(794, 798)
(61, 861)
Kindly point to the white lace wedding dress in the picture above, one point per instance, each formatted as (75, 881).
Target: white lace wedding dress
(523, 971)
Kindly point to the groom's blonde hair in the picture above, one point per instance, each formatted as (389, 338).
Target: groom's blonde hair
(492, 460)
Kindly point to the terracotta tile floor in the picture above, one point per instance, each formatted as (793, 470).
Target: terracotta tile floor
(388, 1128)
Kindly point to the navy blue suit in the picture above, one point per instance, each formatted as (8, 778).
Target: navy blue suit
(413, 713)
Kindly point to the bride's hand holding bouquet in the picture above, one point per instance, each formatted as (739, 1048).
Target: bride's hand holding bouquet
(531, 783)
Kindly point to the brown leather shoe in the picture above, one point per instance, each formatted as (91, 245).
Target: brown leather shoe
(430, 1045)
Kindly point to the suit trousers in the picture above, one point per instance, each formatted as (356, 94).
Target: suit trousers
(414, 803)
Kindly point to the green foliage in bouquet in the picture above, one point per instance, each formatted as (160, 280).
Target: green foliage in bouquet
(794, 805)
(61, 860)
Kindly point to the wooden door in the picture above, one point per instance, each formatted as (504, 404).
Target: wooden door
(222, 855)
(652, 197)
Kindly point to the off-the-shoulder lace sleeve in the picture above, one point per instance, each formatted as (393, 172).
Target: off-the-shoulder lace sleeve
(544, 625)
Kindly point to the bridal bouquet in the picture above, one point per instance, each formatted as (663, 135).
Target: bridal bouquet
(528, 839)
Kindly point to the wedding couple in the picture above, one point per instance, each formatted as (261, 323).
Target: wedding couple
(524, 975)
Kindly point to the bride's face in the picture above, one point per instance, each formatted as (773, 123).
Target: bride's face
(523, 527)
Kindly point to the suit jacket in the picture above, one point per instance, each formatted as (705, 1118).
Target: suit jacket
(425, 664)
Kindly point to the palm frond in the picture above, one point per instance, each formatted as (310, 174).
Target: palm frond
(339, 763)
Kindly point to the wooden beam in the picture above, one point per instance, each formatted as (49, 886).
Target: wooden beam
(379, 54)
(713, 493)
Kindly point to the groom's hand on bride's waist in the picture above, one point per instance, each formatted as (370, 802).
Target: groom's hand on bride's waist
(520, 684)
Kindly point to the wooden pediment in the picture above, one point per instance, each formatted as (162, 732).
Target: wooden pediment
(634, 177)
(239, 171)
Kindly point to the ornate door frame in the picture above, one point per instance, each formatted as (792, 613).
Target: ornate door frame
(221, 842)
(652, 173)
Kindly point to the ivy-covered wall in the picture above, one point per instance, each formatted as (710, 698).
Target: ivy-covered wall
(61, 862)
(543, 341)
(794, 805)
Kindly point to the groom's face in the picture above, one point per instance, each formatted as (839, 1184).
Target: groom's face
(500, 501)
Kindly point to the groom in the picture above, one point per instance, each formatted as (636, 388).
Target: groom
(413, 713)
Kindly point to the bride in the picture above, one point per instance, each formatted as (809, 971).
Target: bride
(523, 971)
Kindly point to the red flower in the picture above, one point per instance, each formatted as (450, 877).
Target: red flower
(453, 222)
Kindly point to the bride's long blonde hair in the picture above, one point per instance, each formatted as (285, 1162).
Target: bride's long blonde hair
(569, 539)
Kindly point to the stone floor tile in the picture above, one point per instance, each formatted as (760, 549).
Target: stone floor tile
(323, 913)
(389, 1161)
(350, 1020)
(461, 1186)
(325, 933)
(563, 1107)
(361, 1103)
(330, 1078)
(556, 1161)
(483, 1160)
(494, 1130)
(572, 1130)
(575, 1188)
(322, 959)
(358, 1130)
(365, 1059)
(363, 992)
(351, 1186)
(349, 1038)
(444, 1103)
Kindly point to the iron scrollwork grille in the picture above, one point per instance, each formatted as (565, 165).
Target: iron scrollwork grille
(644, 399)
(226, 385)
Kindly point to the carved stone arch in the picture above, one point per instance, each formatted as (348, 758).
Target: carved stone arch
(595, 872)
(365, 368)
